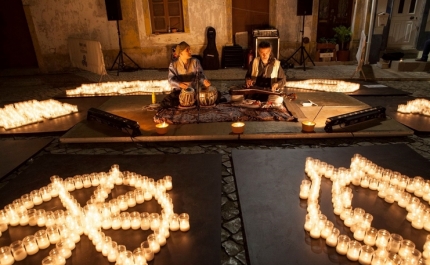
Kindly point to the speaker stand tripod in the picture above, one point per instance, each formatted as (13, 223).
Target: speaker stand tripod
(120, 57)
(302, 50)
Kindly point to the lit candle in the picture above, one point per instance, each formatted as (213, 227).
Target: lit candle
(184, 222)
(353, 250)
(162, 128)
(149, 254)
(153, 243)
(6, 257)
(382, 238)
(365, 255)
(238, 127)
(304, 189)
(30, 245)
(135, 220)
(174, 223)
(308, 126)
(18, 250)
(154, 221)
(168, 182)
(342, 244)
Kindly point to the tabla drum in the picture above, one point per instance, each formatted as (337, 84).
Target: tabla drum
(208, 96)
(187, 97)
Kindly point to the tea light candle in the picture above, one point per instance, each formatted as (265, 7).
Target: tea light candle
(304, 189)
(238, 127)
(18, 250)
(382, 238)
(42, 239)
(342, 244)
(154, 221)
(184, 222)
(174, 223)
(308, 126)
(149, 254)
(366, 253)
(153, 243)
(353, 250)
(331, 240)
(145, 221)
(6, 256)
(168, 182)
(161, 128)
(30, 245)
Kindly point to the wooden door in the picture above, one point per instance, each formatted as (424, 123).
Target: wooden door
(16, 46)
(405, 21)
(248, 15)
(333, 13)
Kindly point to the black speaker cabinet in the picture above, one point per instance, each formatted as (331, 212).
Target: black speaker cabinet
(274, 41)
(113, 9)
(304, 7)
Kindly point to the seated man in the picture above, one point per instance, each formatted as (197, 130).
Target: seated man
(265, 72)
(183, 73)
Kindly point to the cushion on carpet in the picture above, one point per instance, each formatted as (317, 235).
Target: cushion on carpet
(222, 113)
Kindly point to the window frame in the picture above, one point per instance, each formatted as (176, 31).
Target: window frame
(166, 16)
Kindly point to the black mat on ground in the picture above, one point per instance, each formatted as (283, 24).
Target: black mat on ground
(268, 183)
(196, 191)
(221, 113)
(60, 124)
(367, 88)
(416, 122)
(14, 153)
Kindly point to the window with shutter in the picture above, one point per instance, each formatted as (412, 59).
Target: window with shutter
(166, 15)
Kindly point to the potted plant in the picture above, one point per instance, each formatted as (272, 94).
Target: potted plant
(343, 35)
(326, 50)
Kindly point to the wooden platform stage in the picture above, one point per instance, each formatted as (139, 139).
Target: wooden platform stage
(329, 104)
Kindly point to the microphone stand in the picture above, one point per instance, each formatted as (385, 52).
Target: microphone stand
(198, 96)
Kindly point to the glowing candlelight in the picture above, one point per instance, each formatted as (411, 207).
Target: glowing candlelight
(238, 127)
(308, 126)
(161, 128)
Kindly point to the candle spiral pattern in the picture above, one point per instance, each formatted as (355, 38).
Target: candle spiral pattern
(66, 227)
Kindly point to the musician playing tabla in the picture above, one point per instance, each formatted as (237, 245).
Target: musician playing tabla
(265, 71)
(183, 74)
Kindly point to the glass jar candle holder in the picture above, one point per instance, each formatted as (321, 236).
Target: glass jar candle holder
(342, 244)
(86, 180)
(18, 250)
(382, 238)
(184, 222)
(304, 189)
(122, 202)
(6, 256)
(359, 232)
(27, 201)
(160, 236)
(154, 221)
(78, 182)
(131, 198)
(30, 245)
(125, 220)
(41, 217)
(147, 250)
(353, 252)
(174, 223)
(135, 220)
(106, 245)
(57, 256)
(366, 254)
(140, 198)
(370, 236)
(42, 239)
(113, 252)
(327, 229)
(53, 234)
(168, 182)
(37, 197)
(331, 240)
(394, 243)
(153, 243)
(145, 221)
(406, 248)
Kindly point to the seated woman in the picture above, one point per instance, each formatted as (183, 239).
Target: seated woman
(184, 72)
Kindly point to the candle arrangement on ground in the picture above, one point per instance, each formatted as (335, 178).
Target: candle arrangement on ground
(33, 111)
(416, 106)
(121, 88)
(324, 85)
(64, 228)
(368, 245)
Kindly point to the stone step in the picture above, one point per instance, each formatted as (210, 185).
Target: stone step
(410, 65)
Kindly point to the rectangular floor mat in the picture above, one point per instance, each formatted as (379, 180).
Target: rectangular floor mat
(196, 191)
(268, 183)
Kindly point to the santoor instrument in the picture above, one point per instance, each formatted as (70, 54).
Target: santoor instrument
(187, 97)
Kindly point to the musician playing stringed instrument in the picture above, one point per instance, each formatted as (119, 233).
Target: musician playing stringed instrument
(265, 72)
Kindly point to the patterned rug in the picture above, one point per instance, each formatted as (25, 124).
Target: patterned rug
(223, 112)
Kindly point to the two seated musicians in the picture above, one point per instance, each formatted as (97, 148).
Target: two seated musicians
(264, 73)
